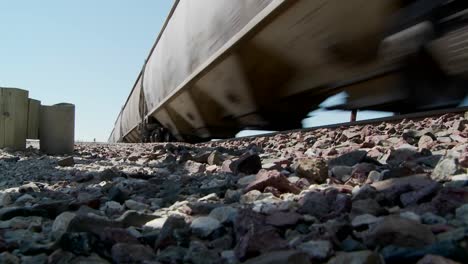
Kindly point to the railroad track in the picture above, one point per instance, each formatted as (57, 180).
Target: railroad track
(390, 119)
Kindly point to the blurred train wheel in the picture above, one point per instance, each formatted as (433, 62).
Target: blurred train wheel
(429, 86)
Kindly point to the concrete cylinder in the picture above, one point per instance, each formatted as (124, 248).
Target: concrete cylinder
(57, 129)
(13, 118)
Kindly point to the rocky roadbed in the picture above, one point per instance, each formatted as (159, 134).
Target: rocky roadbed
(389, 193)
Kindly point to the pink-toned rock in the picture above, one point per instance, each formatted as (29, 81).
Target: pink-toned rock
(254, 236)
(226, 166)
(302, 183)
(212, 168)
(273, 179)
(425, 142)
(463, 161)
(361, 171)
(194, 167)
(272, 190)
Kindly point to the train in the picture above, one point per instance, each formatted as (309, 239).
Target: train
(221, 66)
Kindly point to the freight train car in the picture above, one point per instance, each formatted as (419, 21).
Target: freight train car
(219, 66)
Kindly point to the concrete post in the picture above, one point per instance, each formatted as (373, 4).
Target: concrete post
(57, 129)
(33, 119)
(13, 118)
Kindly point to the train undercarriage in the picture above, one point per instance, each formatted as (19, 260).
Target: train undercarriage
(397, 56)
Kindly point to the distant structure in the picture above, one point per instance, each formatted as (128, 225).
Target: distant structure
(24, 118)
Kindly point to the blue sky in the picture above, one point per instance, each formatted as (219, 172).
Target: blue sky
(84, 52)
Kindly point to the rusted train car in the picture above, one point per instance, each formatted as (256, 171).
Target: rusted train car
(219, 66)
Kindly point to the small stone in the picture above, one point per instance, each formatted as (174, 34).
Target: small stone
(411, 216)
(432, 219)
(225, 214)
(131, 253)
(232, 196)
(8, 258)
(60, 256)
(113, 208)
(350, 245)
(432, 259)
(78, 243)
(464, 160)
(364, 192)
(280, 257)
(283, 219)
(418, 195)
(29, 188)
(244, 181)
(272, 190)
(5, 199)
(395, 254)
(61, 224)
(118, 194)
(210, 197)
(247, 164)
(367, 206)
(9, 212)
(134, 205)
(317, 250)
(375, 176)
(93, 258)
(193, 167)
(425, 142)
(133, 157)
(166, 235)
(157, 223)
(364, 220)
(254, 237)
(313, 169)
(462, 214)
(273, 179)
(349, 159)
(198, 253)
(172, 254)
(108, 174)
(454, 235)
(460, 125)
(66, 162)
(211, 168)
(111, 236)
(26, 198)
(215, 158)
(342, 173)
(84, 177)
(37, 259)
(250, 197)
(315, 204)
(399, 231)
(204, 226)
(229, 256)
(358, 257)
(445, 169)
(134, 218)
(398, 156)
